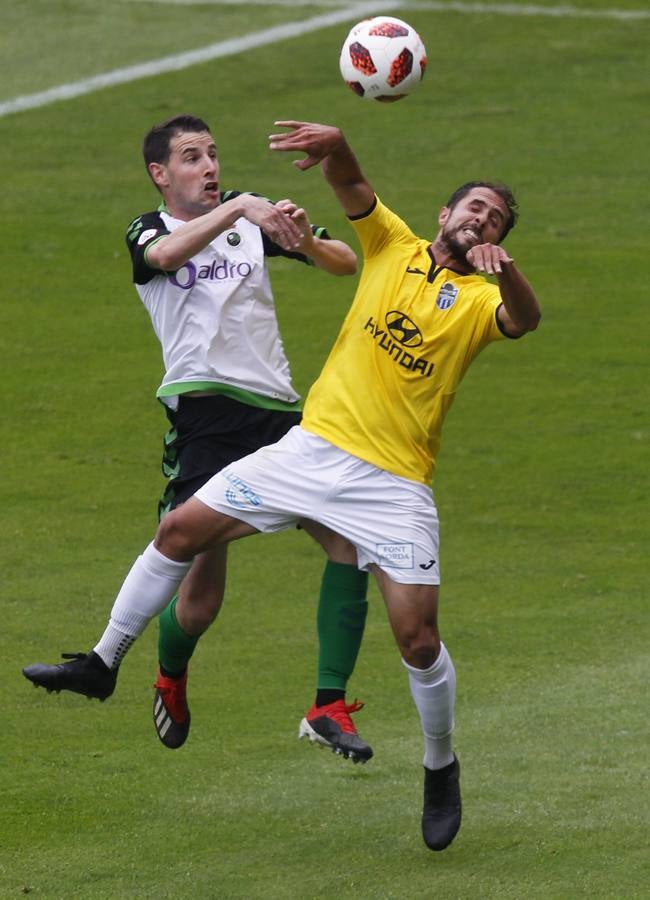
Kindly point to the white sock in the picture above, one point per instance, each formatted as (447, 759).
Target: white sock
(434, 693)
(149, 586)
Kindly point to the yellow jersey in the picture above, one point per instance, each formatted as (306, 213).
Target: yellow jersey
(411, 333)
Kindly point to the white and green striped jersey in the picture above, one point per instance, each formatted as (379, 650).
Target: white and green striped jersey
(215, 317)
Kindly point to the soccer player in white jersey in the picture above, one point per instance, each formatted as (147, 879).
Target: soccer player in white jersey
(356, 473)
(199, 267)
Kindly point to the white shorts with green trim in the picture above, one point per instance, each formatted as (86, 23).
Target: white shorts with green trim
(392, 521)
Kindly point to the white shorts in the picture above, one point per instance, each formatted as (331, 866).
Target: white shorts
(392, 521)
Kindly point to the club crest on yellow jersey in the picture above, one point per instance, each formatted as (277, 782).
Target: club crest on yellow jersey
(447, 295)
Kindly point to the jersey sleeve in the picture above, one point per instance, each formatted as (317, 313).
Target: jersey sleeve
(378, 228)
(489, 328)
(486, 304)
(141, 234)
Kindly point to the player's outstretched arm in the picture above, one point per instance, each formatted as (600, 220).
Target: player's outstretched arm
(173, 251)
(272, 218)
(326, 144)
(520, 311)
(333, 256)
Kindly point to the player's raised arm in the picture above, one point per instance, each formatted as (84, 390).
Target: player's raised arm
(173, 250)
(326, 144)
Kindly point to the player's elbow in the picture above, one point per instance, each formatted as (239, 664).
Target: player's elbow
(344, 263)
(524, 322)
(160, 257)
(348, 261)
(350, 265)
(533, 320)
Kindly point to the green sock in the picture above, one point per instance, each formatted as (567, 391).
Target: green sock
(342, 610)
(175, 646)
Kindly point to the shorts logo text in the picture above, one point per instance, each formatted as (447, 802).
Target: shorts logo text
(396, 556)
(241, 496)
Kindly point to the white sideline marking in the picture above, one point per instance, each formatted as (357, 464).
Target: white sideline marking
(192, 57)
(512, 9)
(339, 4)
(289, 30)
(502, 9)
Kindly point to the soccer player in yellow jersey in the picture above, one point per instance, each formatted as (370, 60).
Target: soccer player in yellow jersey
(356, 473)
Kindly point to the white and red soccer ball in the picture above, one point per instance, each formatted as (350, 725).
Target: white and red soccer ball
(383, 58)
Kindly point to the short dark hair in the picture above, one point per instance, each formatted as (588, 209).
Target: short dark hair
(156, 144)
(501, 189)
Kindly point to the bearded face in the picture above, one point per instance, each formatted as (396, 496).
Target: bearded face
(478, 218)
(461, 238)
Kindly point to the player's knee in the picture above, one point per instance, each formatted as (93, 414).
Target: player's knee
(419, 648)
(419, 657)
(174, 539)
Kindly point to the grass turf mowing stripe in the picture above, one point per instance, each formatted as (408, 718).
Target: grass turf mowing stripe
(193, 57)
(267, 36)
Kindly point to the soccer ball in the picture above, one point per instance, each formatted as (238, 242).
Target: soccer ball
(383, 59)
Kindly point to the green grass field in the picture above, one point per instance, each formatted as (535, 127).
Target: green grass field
(542, 486)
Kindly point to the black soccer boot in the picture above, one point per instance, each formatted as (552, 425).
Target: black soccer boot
(86, 673)
(441, 813)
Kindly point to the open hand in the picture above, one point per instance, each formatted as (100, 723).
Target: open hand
(317, 141)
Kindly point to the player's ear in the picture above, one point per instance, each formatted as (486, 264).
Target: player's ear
(443, 215)
(158, 174)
